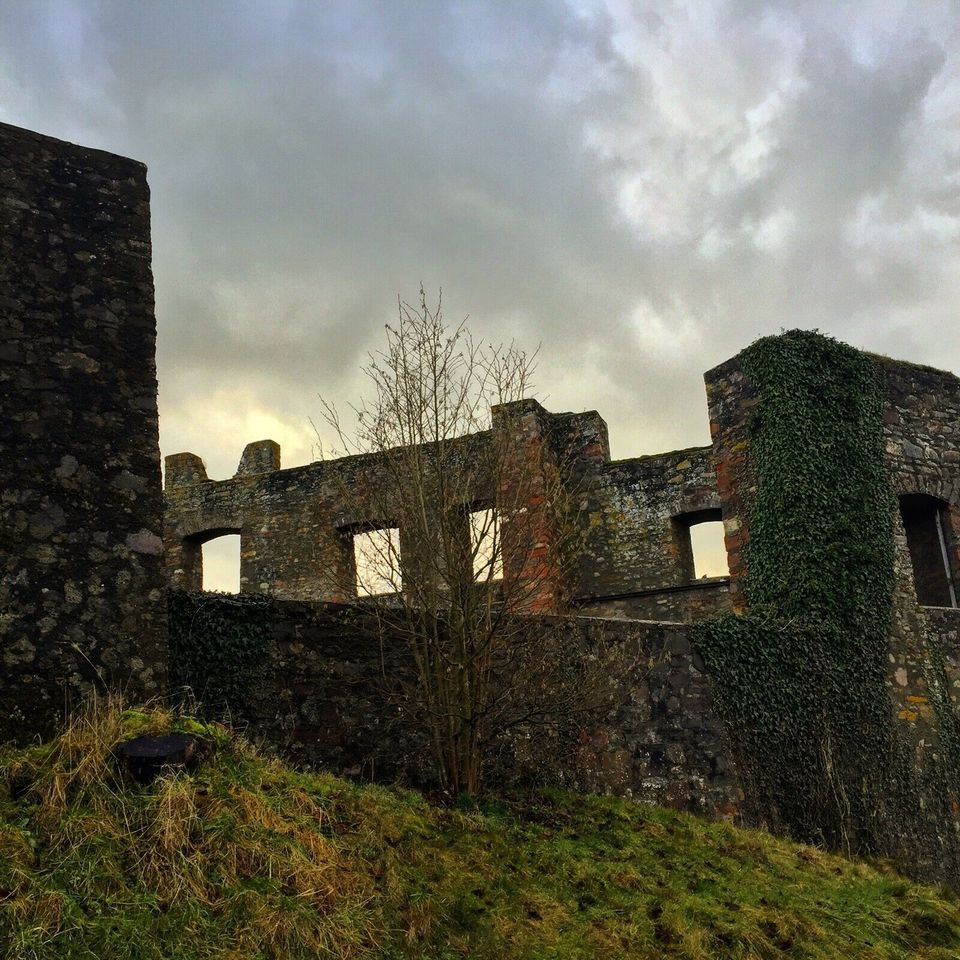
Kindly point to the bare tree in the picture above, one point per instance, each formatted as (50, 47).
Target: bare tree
(470, 526)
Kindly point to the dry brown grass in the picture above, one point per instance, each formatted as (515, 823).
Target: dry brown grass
(233, 839)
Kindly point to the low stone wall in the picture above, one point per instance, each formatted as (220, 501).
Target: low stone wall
(323, 698)
(686, 603)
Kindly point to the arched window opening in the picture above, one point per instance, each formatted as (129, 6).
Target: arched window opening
(221, 563)
(485, 543)
(709, 551)
(700, 545)
(376, 555)
(925, 522)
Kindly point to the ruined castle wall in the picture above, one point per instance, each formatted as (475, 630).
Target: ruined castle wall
(922, 429)
(921, 423)
(639, 561)
(81, 584)
(295, 525)
(324, 699)
(730, 400)
(921, 426)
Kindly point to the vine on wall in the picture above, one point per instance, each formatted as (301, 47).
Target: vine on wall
(219, 645)
(801, 679)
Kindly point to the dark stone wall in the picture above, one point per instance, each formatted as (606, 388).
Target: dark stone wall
(327, 698)
(665, 743)
(81, 582)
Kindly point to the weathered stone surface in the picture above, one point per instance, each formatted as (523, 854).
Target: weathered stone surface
(922, 430)
(81, 585)
(295, 525)
(261, 456)
(324, 700)
(944, 624)
(639, 562)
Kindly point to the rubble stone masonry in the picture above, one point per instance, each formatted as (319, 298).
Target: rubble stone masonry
(323, 698)
(295, 524)
(88, 542)
(81, 581)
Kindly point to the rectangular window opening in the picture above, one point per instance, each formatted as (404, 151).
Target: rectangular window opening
(485, 543)
(709, 551)
(699, 540)
(926, 524)
(377, 558)
(221, 563)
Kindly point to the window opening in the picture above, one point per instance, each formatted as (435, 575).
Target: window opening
(928, 540)
(485, 543)
(377, 560)
(221, 563)
(700, 545)
(709, 551)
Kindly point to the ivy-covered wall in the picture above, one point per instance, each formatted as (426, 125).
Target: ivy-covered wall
(811, 676)
(313, 681)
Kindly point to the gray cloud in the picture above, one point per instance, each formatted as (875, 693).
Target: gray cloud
(644, 188)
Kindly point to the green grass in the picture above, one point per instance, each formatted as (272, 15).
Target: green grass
(245, 858)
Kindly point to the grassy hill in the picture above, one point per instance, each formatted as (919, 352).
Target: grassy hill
(245, 858)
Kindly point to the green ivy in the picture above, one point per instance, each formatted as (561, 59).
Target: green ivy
(822, 525)
(801, 679)
(219, 646)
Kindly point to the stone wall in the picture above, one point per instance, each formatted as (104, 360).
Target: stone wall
(81, 598)
(327, 697)
(639, 560)
(685, 603)
(296, 525)
(944, 625)
(921, 424)
(730, 399)
(922, 430)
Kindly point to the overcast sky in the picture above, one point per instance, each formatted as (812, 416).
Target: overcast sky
(642, 188)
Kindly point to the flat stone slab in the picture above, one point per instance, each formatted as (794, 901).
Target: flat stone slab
(145, 757)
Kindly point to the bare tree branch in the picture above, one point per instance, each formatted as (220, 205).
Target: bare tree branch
(484, 529)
